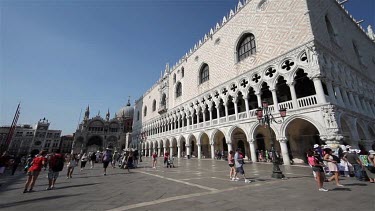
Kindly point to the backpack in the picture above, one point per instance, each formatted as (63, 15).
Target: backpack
(59, 164)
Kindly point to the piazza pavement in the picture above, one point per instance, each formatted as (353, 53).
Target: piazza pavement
(193, 185)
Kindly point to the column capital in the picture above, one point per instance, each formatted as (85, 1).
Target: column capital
(251, 141)
(282, 140)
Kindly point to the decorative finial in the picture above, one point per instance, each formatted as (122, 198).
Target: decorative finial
(128, 104)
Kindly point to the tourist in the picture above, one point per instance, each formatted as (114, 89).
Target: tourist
(232, 170)
(4, 162)
(166, 157)
(129, 161)
(72, 162)
(317, 169)
(353, 159)
(115, 157)
(154, 159)
(368, 163)
(56, 164)
(33, 172)
(92, 159)
(238, 160)
(332, 166)
(107, 158)
(83, 161)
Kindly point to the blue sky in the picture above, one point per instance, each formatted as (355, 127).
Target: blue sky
(56, 57)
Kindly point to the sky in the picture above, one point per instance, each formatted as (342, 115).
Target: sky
(58, 56)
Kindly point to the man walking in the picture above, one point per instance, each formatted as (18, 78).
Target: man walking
(56, 164)
(238, 161)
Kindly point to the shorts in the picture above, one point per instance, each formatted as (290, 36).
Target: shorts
(317, 169)
(105, 164)
(53, 175)
(240, 170)
(33, 173)
(231, 165)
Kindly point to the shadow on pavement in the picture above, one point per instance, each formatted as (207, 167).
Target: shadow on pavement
(74, 186)
(356, 184)
(36, 200)
(340, 189)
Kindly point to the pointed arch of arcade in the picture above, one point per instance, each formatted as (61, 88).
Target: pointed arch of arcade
(181, 143)
(361, 134)
(262, 140)
(192, 145)
(344, 124)
(239, 139)
(204, 142)
(173, 147)
(219, 144)
(302, 133)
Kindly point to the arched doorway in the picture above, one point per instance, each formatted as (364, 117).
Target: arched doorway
(94, 143)
(205, 146)
(263, 143)
(301, 135)
(183, 146)
(174, 148)
(193, 147)
(239, 140)
(220, 144)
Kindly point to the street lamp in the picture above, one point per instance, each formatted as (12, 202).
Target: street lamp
(266, 118)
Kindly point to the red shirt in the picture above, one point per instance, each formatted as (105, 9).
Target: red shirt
(166, 155)
(53, 159)
(37, 164)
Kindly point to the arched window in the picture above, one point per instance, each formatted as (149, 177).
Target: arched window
(154, 105)
(331, 31)
(182, 72)
(174, 78)
(204, 74)
(246, 47)
(138, 116)
(178, 89)
(145, 111)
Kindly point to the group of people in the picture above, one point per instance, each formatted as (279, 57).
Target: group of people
(236, 161)
(343, 161)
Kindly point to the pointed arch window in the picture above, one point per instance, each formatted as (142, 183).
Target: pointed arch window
(182, 72)
(174, 78)
(137, 115)
(204, 74)
(246, 47)
(331, 31)
(145, 111)
(154, 105)
(178, 89)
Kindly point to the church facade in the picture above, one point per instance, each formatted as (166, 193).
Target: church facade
(97, 133)
(307, 56)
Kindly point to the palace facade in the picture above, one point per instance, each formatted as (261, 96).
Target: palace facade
(308, 56)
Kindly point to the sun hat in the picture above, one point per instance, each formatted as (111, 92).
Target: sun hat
(316, 146)
(371, 152)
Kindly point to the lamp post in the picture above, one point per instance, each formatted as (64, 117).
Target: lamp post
(266, 118)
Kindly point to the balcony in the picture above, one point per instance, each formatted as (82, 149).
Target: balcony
(162, 109)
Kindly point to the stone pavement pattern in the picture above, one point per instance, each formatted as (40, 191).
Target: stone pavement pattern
(192, 185)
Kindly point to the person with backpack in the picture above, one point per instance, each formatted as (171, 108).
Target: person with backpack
(238, 162)
(56, 164)
(107, 158)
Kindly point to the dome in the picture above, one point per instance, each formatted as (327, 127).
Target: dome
(126, 111)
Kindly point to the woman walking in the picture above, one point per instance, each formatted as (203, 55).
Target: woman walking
(92, 159)
(33, 172)
(107, 158)
(72, 162)
(317, 169)
(332, 166)
(154, 160)
(83, 161)
(232, 171)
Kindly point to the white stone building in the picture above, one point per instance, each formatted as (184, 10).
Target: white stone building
(97, 133)
(309, 56)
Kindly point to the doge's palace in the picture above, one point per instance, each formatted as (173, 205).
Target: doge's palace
(308, 56)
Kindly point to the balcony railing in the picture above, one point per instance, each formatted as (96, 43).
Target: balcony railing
(232, 117)
(242, 115)
(307, 101)
(288, 105)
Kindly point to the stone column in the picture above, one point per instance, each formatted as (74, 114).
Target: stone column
(188, 152)
(204, 116)
(188, 120)
(226, 111)
(199, 151)
(345, 97)
(210, 110)
(178, 151)
(247, 105)
(284, 151)
(171, 151)
(259, 99)
(149, 151)
(229, 147)
(197, 116)
(252, 150)
(234, 100)
(217, 111)
(212, 151)
(275, 102)
(330, 92)
(293, 94)
(319, 90)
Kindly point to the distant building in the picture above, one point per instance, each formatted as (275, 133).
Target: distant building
(96, 133)
(66, 143)
(27, 139)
